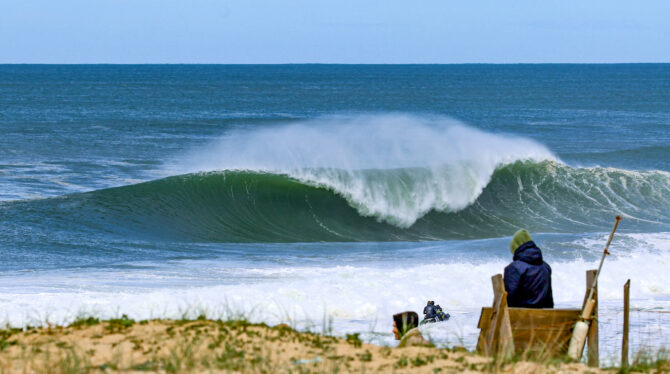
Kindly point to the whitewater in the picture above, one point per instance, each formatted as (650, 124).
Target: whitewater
(250, 201)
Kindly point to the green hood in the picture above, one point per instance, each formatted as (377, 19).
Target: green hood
(520, 238)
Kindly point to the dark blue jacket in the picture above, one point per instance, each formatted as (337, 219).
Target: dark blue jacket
(528, 279)
(429, 311)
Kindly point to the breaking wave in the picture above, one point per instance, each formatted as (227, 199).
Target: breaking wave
(369, 178)
(248, 206)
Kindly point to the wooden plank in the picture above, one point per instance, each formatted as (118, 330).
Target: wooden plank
(535, 314)
(528, 318)
(524, 318)
(593, 359)
(493, 334)
(506, 343)
(484, 318)
(546, 331)
(484, 324)
(626, 315)
(495, 337)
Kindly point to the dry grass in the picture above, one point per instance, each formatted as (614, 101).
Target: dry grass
(206, 346)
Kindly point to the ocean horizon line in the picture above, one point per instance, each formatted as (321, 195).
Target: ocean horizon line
(328, 63)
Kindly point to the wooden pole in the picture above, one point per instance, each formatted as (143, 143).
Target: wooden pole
(499, 340)
(593, 358)
(626, 312)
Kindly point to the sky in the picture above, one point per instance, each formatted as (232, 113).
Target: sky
(333, 31)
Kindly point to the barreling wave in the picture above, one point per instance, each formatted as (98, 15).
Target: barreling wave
(249, 206)
(394, 168)
(366, 178)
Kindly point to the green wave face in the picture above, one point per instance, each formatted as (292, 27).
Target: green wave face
(241, 206)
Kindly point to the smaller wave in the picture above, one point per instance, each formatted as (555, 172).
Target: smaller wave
(643, 157)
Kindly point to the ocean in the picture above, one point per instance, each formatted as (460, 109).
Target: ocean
(330, 196)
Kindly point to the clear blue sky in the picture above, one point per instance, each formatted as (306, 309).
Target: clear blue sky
(333, 31)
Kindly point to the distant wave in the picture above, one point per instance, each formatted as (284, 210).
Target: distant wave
(249, 206)
(643, 157)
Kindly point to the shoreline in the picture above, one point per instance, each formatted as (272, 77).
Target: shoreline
(204, 345)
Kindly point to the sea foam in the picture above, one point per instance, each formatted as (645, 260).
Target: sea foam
(359, 297)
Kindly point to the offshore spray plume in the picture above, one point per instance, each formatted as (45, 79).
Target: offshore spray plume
(393, 167)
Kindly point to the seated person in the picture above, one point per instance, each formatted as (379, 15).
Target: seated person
(429, 310)
(528, 277)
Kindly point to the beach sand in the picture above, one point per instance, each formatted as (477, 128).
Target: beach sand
(206, 346)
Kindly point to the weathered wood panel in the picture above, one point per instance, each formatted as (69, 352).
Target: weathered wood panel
(539, 331)
(498, 340)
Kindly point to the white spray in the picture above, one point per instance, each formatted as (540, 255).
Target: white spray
(393, 167)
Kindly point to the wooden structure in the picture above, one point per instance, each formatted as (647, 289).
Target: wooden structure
(543, 333)
(626, 322)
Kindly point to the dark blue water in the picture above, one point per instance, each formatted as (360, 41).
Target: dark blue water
(141, 114)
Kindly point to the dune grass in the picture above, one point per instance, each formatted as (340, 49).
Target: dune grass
(89, 345)
(203, 345)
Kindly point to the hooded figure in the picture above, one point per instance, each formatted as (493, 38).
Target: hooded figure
(429, 310)
(528, 277)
